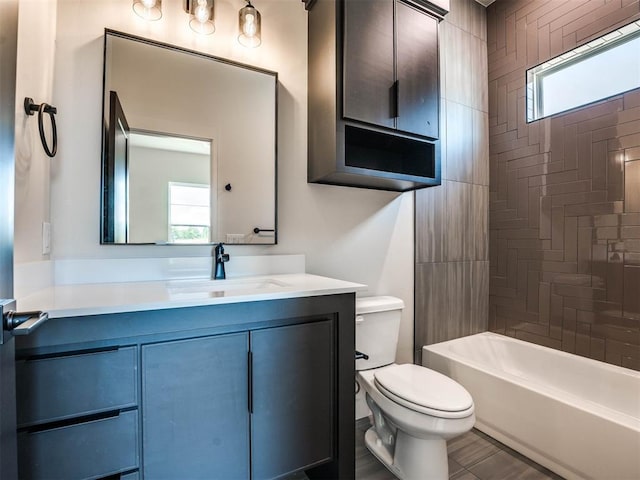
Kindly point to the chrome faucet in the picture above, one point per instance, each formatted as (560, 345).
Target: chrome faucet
(220, 258)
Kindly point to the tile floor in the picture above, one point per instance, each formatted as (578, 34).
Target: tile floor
(472, 456)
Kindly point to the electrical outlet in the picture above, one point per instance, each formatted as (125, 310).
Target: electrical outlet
(46, 238)
(234, 238)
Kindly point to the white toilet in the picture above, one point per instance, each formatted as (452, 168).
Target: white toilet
(415, 410)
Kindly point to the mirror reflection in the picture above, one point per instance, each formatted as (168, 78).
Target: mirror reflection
(188, 148)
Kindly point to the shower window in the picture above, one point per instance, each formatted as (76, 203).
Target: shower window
(604, 67)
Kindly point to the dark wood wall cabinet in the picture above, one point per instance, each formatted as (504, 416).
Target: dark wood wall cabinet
(374, 93)
(256, 390)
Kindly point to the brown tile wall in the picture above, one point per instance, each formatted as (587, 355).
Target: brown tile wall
(452, 241)
(564, 201)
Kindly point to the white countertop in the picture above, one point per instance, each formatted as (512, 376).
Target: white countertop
(101, 298)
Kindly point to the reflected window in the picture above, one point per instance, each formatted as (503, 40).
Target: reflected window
(604, 67)
(189, 213)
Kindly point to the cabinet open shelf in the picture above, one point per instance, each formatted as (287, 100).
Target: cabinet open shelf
(389, 153)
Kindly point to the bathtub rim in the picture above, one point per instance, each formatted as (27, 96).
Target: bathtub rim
(563, 396)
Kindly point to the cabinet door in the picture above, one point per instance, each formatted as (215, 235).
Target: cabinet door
(368, 62)
(417, 57)
(292, 425)
(195, 408)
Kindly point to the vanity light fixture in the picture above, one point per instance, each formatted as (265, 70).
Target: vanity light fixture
(148, 9)
(201, 13)
(249, 22)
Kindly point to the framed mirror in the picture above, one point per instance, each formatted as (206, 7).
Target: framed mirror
(189, 147)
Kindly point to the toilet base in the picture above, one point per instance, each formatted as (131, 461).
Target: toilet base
(414, 458)
(375, 446)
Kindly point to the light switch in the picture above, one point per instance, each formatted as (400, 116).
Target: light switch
(46, 238)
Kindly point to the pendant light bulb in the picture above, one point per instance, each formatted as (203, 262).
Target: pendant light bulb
(250, 26)
(202, 12)
(148, 9)
(201, 16)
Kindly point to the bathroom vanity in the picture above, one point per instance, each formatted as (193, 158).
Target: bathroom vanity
(189, 380)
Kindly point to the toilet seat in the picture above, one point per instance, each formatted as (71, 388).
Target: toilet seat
(423, 390)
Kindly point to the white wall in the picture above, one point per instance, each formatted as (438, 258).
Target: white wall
(359, 235)
(34, 71)
(150, 171)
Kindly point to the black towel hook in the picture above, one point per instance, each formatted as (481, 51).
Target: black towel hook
(30, 107)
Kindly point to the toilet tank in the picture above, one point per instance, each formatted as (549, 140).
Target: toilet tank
(377, 329)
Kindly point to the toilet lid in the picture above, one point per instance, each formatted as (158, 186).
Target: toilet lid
(422, 389)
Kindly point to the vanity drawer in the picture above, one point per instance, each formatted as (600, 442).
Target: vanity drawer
(94, 449)
(59, 388)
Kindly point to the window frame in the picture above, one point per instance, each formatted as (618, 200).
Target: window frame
(170, 223)
(534, 76)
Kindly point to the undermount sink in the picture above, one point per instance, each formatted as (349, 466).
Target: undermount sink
(221, 288)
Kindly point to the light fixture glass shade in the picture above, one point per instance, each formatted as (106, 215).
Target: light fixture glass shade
(201, 16)
(148, 9)
(250, 24)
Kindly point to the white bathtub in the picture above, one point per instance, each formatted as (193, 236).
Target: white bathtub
(576, 416)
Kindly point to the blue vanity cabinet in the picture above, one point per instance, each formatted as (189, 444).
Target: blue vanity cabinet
(195, 419)
(77, 414)
(77, 384)
(205, 400)
(292, 398)
(255, 390)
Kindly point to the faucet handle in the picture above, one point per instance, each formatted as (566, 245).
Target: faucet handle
(219, 259)
(219, 253)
